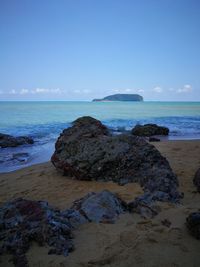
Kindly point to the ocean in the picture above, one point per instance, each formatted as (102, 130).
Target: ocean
(44, 121)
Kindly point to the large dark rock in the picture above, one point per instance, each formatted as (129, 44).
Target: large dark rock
(193, 224)
(88, 152)
(101, 207)
(196, 180)
(11, 141)
(149, 130)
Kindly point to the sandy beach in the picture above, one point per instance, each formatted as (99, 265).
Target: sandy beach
(132, 240)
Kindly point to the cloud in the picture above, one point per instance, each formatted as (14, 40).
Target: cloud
(127, 90)
(86, 91)
(187, 88)
(46, 90)
(140, 91)
(83, 91)
(77, 91)
(24, 91)
(36, 91)
(157, 89)
(12, 92)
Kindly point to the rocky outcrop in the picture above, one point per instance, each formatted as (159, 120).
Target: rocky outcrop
(11, 141)
(193, 224)
(149, 130)
(23, 221)
(87, 151)
(101, 207)
(196, 180)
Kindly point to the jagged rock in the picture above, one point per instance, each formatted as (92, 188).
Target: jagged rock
(87, 151)
(149, 130)
(193, 224)
(23, 221)
(11, 141)
(196, 180)
(101, 207)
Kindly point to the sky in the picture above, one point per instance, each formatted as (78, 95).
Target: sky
(85, 49)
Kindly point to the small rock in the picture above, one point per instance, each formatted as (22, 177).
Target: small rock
(11, 141)
(101, 207)
(193, 224)
(196, 180)
(149, 130)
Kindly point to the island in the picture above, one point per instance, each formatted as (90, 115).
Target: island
(120, 97)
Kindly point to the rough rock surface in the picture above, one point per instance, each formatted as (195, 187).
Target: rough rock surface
(11, 141)
(149, 130)
(193, 224)
(23, 221)
(196, 180)
(101, 207)
(88, 152)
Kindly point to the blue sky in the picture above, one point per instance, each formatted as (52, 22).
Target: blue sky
(85, 49)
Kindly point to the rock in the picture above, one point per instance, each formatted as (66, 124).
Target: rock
(149, 130)
(101, 207)
(23, 221)
(154, 139)
(88, 151)
(11, 141)
(196, 180)
(193, 224)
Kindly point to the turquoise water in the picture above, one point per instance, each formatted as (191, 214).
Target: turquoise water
(45, 120)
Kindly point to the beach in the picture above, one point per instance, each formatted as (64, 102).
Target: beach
(132, 240)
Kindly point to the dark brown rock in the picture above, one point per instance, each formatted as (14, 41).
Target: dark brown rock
(196, 180)
(149, 130)
(193, 224)
(11, 141)
(88, 152)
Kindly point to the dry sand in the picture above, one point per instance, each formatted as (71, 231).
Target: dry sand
(132, 240)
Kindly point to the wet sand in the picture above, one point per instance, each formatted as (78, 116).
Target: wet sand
(132, 240)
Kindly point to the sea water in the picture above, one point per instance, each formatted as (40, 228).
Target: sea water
(44, 121)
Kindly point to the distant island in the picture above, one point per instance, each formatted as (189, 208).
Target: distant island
(120, 97)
